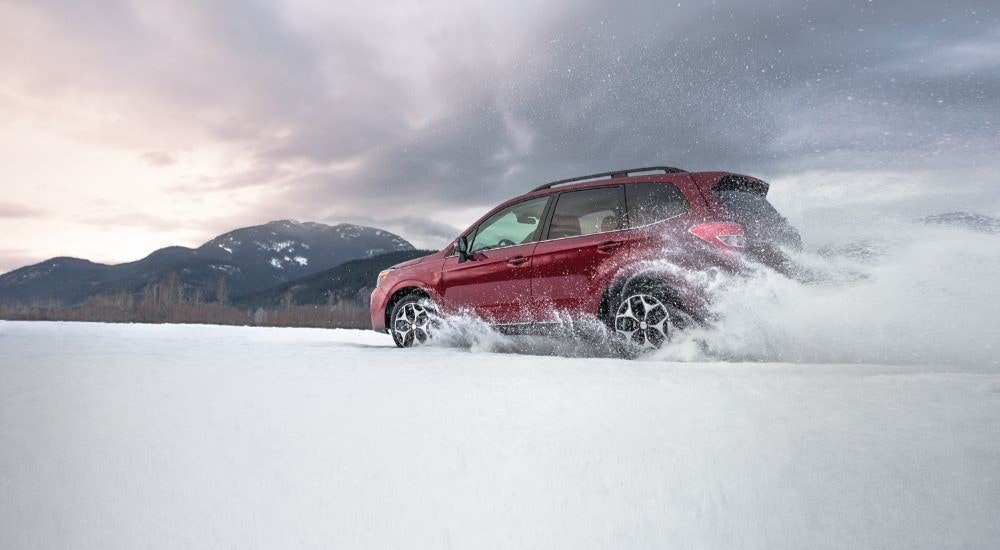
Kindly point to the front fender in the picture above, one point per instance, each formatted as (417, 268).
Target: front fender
(383, 297)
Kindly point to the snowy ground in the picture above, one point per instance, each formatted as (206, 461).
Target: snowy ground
(129, 436)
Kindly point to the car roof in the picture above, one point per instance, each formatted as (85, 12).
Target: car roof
(608, 179)
(613, 174)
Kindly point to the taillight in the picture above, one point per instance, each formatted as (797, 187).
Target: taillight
(723, 235)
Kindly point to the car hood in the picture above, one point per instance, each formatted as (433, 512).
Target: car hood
(408, 263)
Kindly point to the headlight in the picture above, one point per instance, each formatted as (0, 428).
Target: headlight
(382, 276)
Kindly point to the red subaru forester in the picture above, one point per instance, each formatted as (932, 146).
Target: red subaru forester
(625, 248)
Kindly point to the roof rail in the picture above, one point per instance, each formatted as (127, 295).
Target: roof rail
(613, 174)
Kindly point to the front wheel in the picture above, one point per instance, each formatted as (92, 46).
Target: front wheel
(412, 321)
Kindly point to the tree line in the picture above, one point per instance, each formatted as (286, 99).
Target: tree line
(169, 301)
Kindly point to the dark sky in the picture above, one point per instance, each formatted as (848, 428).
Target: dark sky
(170, 122)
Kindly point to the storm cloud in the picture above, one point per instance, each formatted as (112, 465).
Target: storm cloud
(422, 114)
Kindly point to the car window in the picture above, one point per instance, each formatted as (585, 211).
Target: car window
(652, 202)
(516, 224)
(587, 212)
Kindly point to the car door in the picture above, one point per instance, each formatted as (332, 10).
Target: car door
(580, 236)
(495, 281)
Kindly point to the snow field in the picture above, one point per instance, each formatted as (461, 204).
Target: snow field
(126, 436)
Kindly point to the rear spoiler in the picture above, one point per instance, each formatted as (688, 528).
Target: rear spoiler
(737, 182)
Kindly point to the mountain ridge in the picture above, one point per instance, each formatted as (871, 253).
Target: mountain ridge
(246, 259)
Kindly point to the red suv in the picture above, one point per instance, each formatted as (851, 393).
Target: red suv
(624, 247)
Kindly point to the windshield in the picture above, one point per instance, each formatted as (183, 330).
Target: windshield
(516, 224)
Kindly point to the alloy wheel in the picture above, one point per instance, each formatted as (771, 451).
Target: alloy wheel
(412, 324)
(643, 320)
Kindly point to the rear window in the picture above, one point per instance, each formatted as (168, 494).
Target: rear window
(749, 207)
(745, 200)
(652, 202)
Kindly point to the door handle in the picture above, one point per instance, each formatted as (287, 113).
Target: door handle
(518, 260)
(609, 246)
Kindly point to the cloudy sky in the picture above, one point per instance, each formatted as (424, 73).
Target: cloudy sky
(127, 126)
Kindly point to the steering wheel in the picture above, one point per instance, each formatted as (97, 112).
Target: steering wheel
(505, 242)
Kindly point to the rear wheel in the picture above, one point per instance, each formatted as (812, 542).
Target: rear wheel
(643, 319)
(412, 321)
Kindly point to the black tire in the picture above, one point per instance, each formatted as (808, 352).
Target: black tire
(412, 321)
(643, 317)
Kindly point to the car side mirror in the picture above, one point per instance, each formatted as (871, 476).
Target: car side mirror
(462, 246)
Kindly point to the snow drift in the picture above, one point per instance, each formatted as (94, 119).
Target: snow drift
(920, 295)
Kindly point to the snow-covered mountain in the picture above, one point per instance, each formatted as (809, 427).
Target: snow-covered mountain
(248, 259)
(284, 250)
(352, 281)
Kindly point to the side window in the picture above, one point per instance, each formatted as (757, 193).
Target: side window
(652, 202)
(516, 224)
(587, 212)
